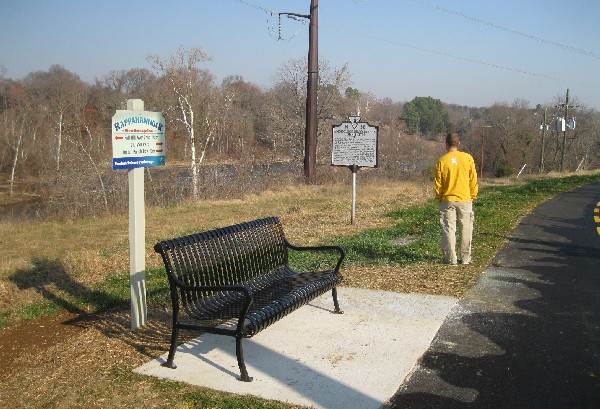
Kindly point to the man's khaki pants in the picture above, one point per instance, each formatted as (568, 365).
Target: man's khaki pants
(450, 213)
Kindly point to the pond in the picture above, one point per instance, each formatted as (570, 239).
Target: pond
(20, 211)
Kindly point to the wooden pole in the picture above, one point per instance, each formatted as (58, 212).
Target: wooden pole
(543, 141)
(310, 140)
(564, 141)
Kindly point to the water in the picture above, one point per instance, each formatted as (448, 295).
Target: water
(218, 180)
(20, 211)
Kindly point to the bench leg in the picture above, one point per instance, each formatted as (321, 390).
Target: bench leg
(171, 357)
(335, 301)
(239, 352)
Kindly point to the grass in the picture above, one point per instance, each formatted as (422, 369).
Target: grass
(82, 266)
(409, 245)
(70, 268)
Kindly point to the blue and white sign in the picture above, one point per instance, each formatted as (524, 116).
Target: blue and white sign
(138, 139)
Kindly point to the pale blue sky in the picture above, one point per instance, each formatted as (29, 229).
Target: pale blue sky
(467, 52)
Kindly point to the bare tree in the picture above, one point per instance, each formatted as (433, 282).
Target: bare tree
(288, 105)
(59, 93)
(505, 137)
(19, 126)
(14, 127)
(242, 121)
(134, 82)
(582, 139)
(190, 87)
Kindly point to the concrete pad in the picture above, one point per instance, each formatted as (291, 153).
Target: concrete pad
(315, 358)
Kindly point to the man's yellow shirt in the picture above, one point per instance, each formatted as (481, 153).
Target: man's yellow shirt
(456, 178)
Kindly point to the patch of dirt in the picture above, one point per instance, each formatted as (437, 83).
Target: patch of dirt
(416, 278)
(82, 361)
(34, 335)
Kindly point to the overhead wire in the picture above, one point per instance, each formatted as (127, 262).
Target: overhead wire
(246, 3)
(446, 54)
(508, 30)
(271, 13)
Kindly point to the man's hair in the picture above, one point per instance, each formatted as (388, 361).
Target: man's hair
(452, 139)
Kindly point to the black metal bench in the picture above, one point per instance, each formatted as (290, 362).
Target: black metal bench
(240, 275)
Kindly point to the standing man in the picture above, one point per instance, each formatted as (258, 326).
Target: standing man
(455, 189)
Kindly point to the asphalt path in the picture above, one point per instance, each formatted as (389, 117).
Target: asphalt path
(528, 334)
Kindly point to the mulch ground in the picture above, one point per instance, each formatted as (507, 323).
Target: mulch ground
(81, 361)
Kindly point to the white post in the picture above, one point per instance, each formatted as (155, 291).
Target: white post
(137, 237)
(354, 169)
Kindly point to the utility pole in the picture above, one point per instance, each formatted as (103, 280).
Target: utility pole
(310, 135)
(482, 149)
(543, 137)
(481, 161)
(310, 139)
(564, 142)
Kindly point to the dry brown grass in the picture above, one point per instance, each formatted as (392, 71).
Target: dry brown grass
(88, 251)
(88, 361)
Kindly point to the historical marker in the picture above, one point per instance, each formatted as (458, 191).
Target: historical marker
(354, 144)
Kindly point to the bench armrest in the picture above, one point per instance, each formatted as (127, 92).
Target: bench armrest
(340, 250)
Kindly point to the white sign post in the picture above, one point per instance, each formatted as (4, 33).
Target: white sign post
(355, 145)
(138, 139)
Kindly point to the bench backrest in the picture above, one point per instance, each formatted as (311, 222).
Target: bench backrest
(226, 256)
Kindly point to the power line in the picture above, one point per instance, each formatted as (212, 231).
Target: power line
(246, 3)
(270, 13)
(441, 53)
(445, 54)
(509, 30)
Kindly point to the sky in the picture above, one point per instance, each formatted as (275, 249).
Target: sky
(466, 52)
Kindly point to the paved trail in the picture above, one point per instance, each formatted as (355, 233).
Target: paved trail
(528, 335)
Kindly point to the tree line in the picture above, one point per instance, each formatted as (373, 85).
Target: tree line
(230, 138)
